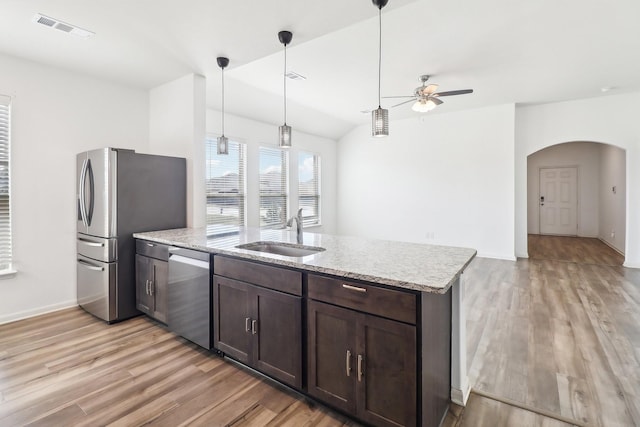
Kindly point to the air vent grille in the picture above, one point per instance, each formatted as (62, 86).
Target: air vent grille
(62, 26)
(294, 76)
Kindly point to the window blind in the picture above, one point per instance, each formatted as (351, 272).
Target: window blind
(273, 187)
(225, 188)
(309, 187)
(5, 184)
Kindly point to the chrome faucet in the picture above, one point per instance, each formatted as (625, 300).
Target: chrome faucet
(298, 219)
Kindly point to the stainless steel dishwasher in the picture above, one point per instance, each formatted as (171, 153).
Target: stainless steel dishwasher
(189, 295)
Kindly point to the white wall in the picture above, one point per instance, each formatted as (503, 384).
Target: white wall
(607, 119)
(612, 204)
(256, 134)
(444, 179)
(55, 115)
(586, 157)
(177, 128)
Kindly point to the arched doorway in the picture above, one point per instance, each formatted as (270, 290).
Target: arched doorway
(577, 189)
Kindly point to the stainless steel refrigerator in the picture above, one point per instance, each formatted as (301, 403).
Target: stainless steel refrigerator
(120, 192)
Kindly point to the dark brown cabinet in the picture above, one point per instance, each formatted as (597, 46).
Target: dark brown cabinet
(256, 324)
(362, 364)
(152, 277)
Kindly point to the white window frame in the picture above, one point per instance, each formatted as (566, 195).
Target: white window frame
(225, 195)
(274, 217)
(304, 192)
(6, 250)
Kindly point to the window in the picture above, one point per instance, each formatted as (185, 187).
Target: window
(5, 184)
(309, 187)
(273, 187)
(225, 188)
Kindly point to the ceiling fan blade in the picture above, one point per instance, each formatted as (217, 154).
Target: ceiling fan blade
(435, 100)
(405, 102)
(408, 96)
(430, 89)
(454, 92)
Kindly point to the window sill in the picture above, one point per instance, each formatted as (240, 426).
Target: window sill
(312, 226)
(8, 273)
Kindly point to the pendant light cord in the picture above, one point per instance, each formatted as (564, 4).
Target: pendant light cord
(379, 52)
(284, 80)
(223, 101)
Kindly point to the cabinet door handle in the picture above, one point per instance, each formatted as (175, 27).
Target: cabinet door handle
(254, 327)
(353, 288)
(151, 284)
(360, 367)
(247, 324)
(146, 287)
(348, 363)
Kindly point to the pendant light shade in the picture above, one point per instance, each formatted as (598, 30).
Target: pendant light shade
(380, 116)
(284, 131)
(223, 141)
(284, 136)
(380, 122)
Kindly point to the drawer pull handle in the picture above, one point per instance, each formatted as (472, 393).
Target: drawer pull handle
(360, 371)
(254, 327)
(247, 324)
(353, 288)
(151, 245)
(348, 363)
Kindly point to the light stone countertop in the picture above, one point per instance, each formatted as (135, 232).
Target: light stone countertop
(414, 266)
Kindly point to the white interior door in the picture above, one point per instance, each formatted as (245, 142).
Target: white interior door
(559, 201)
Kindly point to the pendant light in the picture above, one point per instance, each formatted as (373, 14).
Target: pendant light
(223, 141)
(380, 116)
(284, 131)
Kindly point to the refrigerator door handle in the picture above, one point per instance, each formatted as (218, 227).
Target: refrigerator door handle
(90, 266)
(81, 201)
(91, 192)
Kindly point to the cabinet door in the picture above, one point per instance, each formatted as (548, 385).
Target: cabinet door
(232, 323)
(386, 372)
(144, 274)
(332, 354)
(160, 280)
(277, 335)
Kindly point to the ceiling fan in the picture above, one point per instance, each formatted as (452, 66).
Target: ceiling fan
(426, 98)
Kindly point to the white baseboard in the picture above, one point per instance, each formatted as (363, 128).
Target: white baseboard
(611, 246)
(460, 397)
(20, 315)
(494, 256)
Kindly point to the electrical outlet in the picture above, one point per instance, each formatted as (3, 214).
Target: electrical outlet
(430, 235)
(613, 234)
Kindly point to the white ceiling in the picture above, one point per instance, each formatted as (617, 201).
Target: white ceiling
(507, 51)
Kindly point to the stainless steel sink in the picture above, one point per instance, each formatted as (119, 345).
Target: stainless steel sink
(279, 248)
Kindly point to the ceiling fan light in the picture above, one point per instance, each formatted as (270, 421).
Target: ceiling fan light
(284, 133)
(422, 106)
(380, 122)
(223, 145)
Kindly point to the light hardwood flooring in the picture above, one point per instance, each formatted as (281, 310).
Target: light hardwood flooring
(581, 250)
(557, 336)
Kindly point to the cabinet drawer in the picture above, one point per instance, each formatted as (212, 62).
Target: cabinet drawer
(152, 250)
(371, 299)
(276, 278)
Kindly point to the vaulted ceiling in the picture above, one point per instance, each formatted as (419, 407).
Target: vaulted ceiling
(507, 51)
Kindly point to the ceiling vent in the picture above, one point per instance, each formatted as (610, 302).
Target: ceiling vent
(294, 76)
(47, 21)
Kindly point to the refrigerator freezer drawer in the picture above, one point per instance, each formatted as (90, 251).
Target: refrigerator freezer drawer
(97, 287)
(97, 248)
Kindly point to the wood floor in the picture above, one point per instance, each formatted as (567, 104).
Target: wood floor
(572, 249)
(560, 336)
(555, 336)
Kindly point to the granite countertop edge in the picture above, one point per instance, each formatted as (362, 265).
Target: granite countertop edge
(192, 240)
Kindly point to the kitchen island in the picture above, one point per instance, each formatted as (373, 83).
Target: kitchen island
(403, 289)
